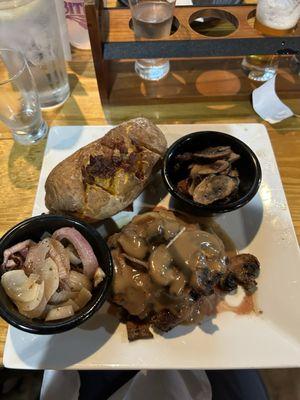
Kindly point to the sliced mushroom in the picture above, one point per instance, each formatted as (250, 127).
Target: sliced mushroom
(178, 284)
(189, 250)
(214, 188)
(245, 267)
(233, 157)
(170, 228)
(203, 280)
(133, 245)
(206, 169)
(214, 152)
(194, 182)
(226, 171)
(135, 262)
(185, 156)
(234, 173)
(160, 268)
(183, 186)
(228, 282)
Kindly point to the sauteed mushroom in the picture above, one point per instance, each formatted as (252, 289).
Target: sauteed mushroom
(214, 188)
(211, 177)
(180, 271)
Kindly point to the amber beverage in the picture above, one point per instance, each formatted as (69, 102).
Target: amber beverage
(277, 17)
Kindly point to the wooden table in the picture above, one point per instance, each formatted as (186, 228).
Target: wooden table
(20, 166)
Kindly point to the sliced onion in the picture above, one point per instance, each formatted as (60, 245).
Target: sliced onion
(73, 295)
(60, 313)
(49, 275)
(24, 252)
(33, 304)
(37, 312)
(72, 303)
(60, 257)
(38, 253)
(77, 281)
(83, 297)
(45, 235)
(10, 264)
(83, 248)
(74, 259)
(98, 277)
(60, 297)
(19, 247)
(18, 286)
(36, 256)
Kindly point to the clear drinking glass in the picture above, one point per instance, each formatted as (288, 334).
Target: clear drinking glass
(19, 103)
(260, 68)
(275, 18)
(31, 26)
(152, 19)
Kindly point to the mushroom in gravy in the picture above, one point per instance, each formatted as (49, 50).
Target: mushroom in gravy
(165, 267)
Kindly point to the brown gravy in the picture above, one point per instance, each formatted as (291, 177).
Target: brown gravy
(246, 306)
(141, 290)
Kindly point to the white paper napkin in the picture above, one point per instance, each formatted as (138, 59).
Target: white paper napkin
(267, 104)
(60, 385)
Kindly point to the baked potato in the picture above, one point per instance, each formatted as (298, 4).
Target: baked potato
(104, 177)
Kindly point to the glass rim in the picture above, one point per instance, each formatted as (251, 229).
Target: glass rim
(16, 75)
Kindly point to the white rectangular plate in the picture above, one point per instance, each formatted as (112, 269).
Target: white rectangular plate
(263, 228)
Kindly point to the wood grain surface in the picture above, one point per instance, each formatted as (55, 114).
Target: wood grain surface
(20, 166)
(116, 27)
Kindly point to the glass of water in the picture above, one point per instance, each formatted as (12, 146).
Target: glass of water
(152, 19)
(19, 103)
(32, 27)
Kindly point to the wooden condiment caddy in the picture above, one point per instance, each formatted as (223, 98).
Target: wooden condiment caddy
(112, 38)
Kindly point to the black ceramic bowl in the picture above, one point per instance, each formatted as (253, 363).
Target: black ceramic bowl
(248, 167)
(33, 228)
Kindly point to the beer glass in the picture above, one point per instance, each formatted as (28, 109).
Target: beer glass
(277, 17)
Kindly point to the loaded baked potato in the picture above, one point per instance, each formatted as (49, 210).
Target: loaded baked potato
(104, 177)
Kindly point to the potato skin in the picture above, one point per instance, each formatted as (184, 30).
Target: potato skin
(104, 177)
